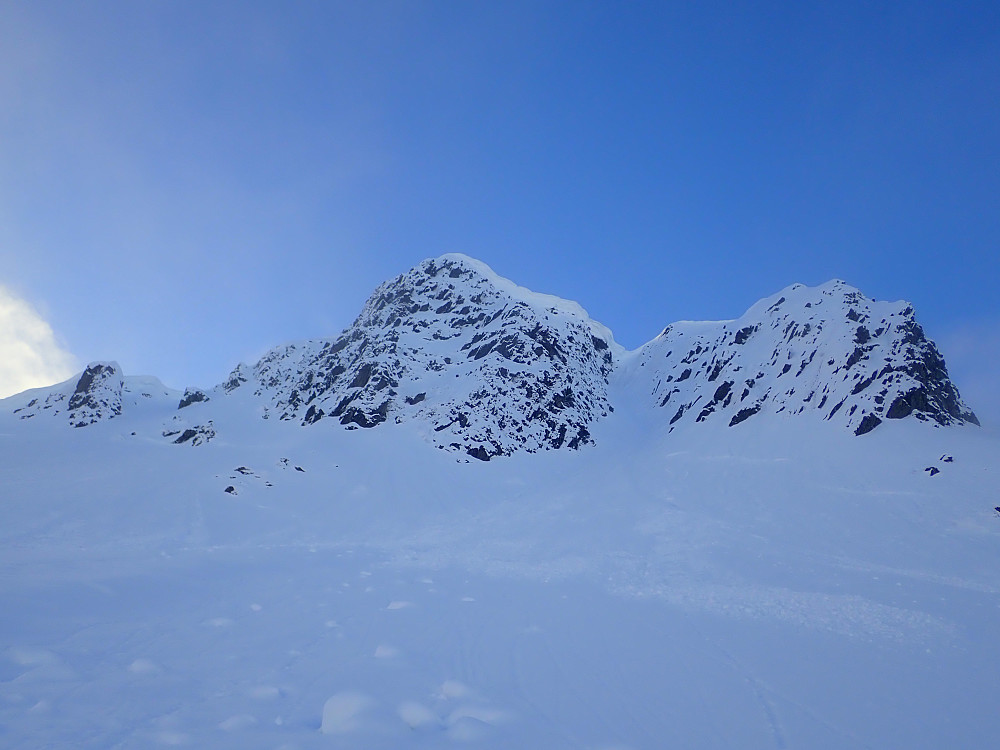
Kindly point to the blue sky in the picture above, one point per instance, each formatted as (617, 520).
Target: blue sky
(185, 184)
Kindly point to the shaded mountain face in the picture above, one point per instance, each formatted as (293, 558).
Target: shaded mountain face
(95, 396)
(99, 394)
(487, 368)
(826, 349)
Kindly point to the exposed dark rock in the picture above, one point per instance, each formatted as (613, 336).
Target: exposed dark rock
(559, 439)
(744, 414)
(97, 396)
(479, 452)
(862, 384)
(868, 423)
(313, 415)
(236, 378)
(362, 378)
(188, 434)
(856, 356)
(85, 382)
(932, 470)
(722, 391)
(197, 435)
(743, 334)
(192, 396)
(667, 397)
(935, 396)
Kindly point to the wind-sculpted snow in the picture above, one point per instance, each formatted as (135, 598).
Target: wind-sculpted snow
(489, 367)
(828, 350)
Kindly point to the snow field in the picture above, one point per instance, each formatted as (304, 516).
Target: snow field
(788, 587)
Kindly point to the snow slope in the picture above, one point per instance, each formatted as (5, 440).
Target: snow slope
(780, 583)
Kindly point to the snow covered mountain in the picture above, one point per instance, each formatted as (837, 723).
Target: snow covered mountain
(100, 393)
(778, 531)
(827, 349)
(488, 368)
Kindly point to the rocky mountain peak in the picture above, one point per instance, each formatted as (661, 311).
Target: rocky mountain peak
(827, 349)
(94, 396)
(486, 368)
(98, 394)
(489, 366)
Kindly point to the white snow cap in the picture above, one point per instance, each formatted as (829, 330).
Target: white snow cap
(536, 300)
(488, 368)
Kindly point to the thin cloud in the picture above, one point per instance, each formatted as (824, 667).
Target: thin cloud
(30, 356)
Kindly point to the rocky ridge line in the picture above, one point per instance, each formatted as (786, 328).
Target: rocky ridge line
(492, 368)
(826, 349)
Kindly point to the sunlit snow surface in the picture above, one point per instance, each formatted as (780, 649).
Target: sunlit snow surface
(785, 586)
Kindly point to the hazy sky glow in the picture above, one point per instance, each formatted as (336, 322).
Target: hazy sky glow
(185, 184)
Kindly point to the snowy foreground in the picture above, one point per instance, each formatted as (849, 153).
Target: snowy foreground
(789, 586)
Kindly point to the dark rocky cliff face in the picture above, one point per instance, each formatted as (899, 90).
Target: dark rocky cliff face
(932, 395)
(486, 368)
(98, 395)
(95, 397)
(828, 350)
(490, 367)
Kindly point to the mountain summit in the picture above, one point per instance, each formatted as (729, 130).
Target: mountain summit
(828, 350)
(764, 532)
(488, 368)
